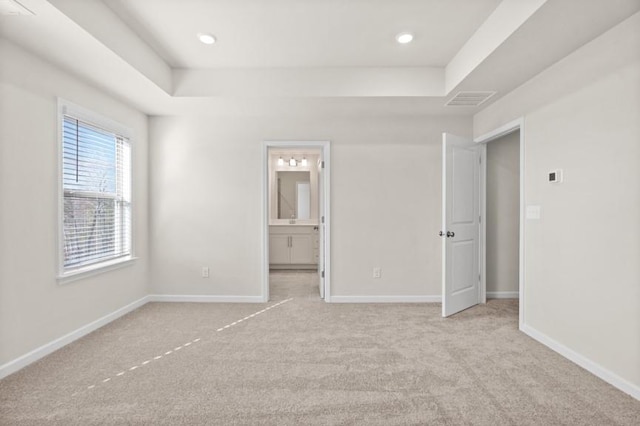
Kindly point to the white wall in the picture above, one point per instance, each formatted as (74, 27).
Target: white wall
(34, 308)
(503, 213)
(582, 257)
(385, 201)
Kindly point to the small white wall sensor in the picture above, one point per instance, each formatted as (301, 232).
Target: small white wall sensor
(555, 176)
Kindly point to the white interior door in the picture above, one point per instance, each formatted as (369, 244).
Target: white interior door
(321, 228)
(460, 223)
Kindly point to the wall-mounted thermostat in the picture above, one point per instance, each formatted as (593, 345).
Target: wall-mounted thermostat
(555, 176)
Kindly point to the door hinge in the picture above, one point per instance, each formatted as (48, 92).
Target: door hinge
(480, 159)
(479, 277)
(322, 219)
(322, 274)
(479, 219)
(322, 165)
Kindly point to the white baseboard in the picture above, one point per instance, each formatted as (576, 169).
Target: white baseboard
(44, 350)
(204, 298)
(386, 299)
(596, 369)
(503, 294)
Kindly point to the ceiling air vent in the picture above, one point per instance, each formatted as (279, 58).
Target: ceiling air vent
(469, 98)
(13, 8)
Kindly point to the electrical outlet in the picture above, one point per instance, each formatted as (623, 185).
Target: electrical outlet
(377, 272)
(205, 272)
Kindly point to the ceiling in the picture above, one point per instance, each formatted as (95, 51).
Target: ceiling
(313, 57)
(304, 33)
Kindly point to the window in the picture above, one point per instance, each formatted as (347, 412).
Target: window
(95, 192)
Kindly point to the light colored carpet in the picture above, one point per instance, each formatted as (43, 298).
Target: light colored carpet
(307, 362)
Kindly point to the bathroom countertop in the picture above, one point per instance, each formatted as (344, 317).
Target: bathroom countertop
(298, 223)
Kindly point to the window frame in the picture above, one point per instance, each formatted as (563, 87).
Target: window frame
(67, 274)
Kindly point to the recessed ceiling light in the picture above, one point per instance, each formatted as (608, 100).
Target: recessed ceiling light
(206, 38)
(404, 38)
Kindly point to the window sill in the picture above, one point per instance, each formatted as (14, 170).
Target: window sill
(92, 270)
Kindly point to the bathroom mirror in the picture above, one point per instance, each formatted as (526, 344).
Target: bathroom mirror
(294, 195)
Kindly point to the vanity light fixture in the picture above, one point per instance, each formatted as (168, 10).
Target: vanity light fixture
(206, 38)
(404, 38)
(293, 162)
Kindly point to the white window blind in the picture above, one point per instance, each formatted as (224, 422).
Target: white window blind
(96, 182)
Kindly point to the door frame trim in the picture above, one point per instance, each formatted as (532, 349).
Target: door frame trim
(512, 126)
(325, 149)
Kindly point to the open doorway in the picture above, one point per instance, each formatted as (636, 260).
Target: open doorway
(296, 220)
(503, 206)
(502, 216)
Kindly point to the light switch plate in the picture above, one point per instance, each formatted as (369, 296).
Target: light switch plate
(533, 212)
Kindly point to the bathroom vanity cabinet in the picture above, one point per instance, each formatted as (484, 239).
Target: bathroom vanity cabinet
(293, 247)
